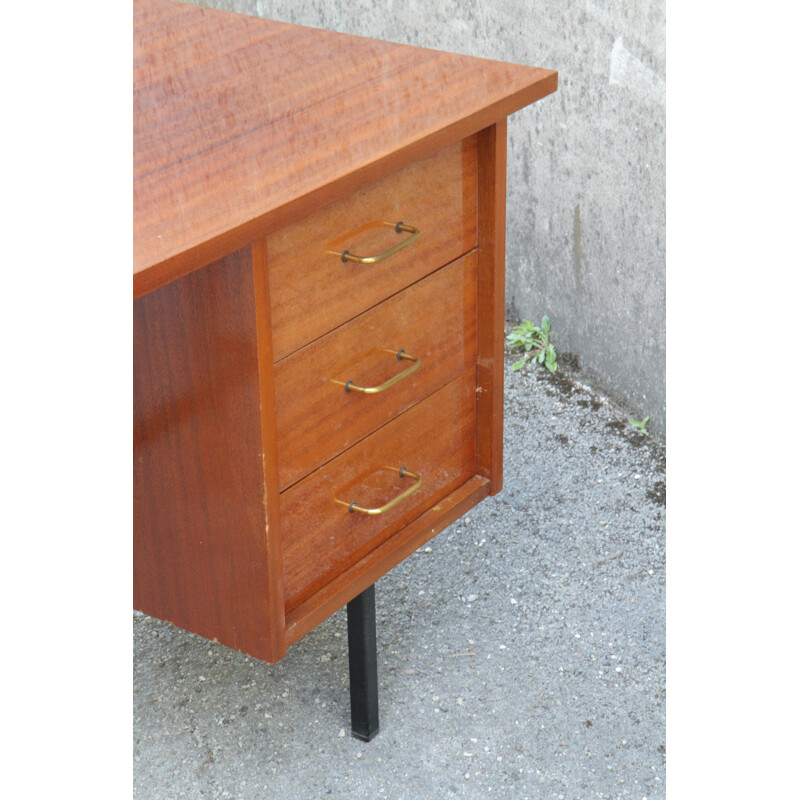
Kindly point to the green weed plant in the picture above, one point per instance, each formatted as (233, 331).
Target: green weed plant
(535, 341)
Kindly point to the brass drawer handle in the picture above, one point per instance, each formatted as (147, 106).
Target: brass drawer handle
(399, 228)
(404, 473)
(401, 355)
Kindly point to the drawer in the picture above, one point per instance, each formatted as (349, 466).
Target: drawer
(313, 290)
(320, 407)
(435, 439)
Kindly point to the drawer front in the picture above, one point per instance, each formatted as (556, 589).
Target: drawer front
(313, 290)
(320, 403)
(434, 439)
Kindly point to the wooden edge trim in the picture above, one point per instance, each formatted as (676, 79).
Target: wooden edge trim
(276, 623)
(346, 586)
(150, 278)
(491, 301)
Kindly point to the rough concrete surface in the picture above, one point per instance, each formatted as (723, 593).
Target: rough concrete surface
(521, 653)
(586, 232)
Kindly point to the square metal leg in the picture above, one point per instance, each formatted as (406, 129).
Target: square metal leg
(363, 654)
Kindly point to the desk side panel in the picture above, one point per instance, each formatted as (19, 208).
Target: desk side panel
(491, 301)
(200, 515)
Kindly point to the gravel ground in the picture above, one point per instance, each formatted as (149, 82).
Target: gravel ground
(521, 653)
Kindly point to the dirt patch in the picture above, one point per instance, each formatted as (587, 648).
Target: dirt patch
(658, 493)
(564, 386)
(595, 405)
(569, 361)
(624, 431)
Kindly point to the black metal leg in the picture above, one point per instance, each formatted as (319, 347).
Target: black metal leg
(363, 652)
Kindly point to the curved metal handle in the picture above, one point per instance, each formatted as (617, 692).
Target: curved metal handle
(401, 355)
(399, 228)
(351, 507)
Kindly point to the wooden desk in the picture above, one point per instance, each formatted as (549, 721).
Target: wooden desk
(315, 215)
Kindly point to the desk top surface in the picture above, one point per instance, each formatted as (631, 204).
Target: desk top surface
(242, 124)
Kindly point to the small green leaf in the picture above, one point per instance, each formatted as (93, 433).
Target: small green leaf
(550, 358)
(516, 367)
(546, 324)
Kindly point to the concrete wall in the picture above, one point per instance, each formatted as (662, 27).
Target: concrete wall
(586, 202)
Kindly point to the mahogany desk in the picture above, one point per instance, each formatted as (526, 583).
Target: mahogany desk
(319, 225)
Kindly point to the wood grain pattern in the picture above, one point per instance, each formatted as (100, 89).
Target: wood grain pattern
(200, 545)
(309, 384)
(332, 596)
(321, 539)
(491, 302)
(269, 450)
(242, 125)
(313, 291)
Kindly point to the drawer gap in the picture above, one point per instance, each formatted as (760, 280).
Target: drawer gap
(470, 371)
(471, 251)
